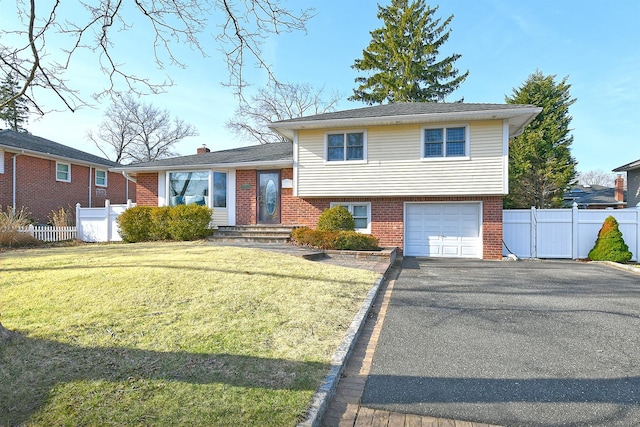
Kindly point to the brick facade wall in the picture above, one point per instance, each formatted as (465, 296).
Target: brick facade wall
(147, 189)
(38, 191)
(246, 209)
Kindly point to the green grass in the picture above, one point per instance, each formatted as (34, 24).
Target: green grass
(168, 334)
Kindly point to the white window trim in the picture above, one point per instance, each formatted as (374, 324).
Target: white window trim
(68, 174)
(1, 161)
(106, 178)
(444, 157)
(342, 162)
(349, 205)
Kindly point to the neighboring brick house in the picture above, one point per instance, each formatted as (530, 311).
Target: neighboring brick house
(633, 182)
(41, 176)
(428, 178)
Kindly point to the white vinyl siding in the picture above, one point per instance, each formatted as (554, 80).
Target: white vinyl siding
(395, 166)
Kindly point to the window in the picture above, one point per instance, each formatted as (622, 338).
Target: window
(101, 178)
(361, 213)
(345, 146)
(445, 142)
(63, 172)
(219, 190)
(188, 187)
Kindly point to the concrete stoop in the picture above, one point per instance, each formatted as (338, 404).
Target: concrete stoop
(253, 233)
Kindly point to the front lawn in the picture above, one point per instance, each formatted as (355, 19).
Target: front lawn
(168, 334)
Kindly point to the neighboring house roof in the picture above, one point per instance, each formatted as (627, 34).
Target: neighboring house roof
(413, 112)
(26, 143)
(593, 195)
(628, 166)
(279, 153)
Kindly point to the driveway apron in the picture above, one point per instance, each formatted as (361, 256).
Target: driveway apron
(531, 343)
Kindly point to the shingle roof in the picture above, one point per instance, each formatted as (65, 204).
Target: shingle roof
(276, 152)
(406, 109)
(628, 166)
(10, 139)
(592, 195)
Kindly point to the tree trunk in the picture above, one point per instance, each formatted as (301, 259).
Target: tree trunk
(5, 334)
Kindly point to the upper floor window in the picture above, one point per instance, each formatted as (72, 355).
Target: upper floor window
(346, 146)
(63, 172)
(445, 142)
(101, 178)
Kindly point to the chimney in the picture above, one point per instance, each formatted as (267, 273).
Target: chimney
(203, 149)
(619, 189)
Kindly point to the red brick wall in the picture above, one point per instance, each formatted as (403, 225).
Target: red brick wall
(39, 193)
(246, 209)
(492, 227)
(147, 189)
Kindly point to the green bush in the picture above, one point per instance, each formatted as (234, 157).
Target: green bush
(342, 240)
(189, 222)
(160, 223)
(182, 222)
(353, 241)
(610, 245)
(335, 219)
(135, 224)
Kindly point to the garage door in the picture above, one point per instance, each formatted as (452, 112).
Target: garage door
(443, 230)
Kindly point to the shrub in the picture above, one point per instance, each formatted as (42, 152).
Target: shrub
(189, 222)
(342, 240)
(135, 224)
(351, 240)
(335, 219)
(610, 245)
(182, 222)
(160, 223)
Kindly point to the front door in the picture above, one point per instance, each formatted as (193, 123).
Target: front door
(268, 197)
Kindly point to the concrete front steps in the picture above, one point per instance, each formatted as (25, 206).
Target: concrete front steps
(253, 233)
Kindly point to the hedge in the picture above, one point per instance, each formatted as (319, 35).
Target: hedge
(341, 240)
(182, 222)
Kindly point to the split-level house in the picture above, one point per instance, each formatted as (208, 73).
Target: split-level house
(428, 178)
(633, 182)
(42, 176)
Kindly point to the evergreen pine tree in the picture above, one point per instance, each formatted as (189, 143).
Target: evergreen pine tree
(16, 112)
(402, 57)
(541, 167)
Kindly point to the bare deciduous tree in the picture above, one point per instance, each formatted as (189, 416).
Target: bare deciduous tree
(134, 131)
(597, 177)
(278, 101)
(39, 45)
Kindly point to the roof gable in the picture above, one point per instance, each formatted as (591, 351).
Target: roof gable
(36, 145)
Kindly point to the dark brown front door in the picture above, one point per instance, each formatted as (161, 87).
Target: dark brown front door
(268, 197)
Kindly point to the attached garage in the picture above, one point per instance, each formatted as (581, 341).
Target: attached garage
(443, 229)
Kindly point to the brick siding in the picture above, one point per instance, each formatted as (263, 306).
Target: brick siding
(38, 191)
(147, 189)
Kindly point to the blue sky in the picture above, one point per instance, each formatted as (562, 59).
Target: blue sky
(595, 43)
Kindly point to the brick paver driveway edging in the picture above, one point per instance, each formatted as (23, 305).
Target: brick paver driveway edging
(531, 343)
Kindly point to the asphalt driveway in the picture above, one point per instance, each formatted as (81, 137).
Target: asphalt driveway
(530, 343)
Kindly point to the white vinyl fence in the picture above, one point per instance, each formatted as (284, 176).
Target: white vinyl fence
(99, 224)
(564, 233)
(49, 233)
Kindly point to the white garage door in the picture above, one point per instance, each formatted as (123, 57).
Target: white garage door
(443, 230)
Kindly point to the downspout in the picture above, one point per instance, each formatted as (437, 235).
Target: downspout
(90, 168)
(13, 201)
(128, 178)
